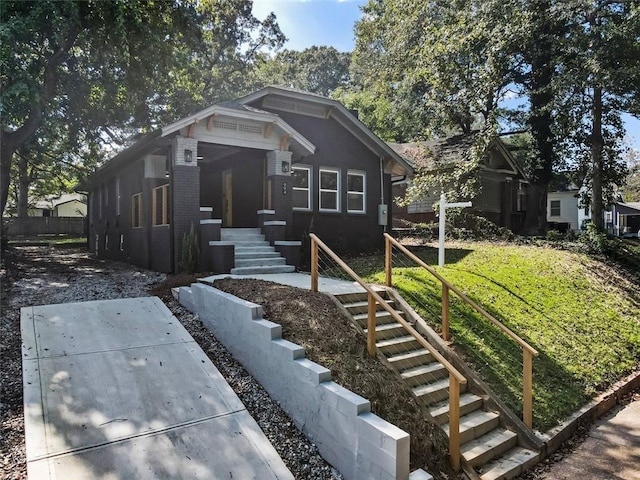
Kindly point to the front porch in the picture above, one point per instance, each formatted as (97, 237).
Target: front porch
(230, 175)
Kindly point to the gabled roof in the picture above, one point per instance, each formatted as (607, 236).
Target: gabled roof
(447, 151)
(395, 164)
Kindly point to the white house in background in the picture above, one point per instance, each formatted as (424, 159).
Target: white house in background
(565, 210)
(66, 205)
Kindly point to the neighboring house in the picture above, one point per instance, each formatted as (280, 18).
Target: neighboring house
(502, 198)
(624, 218)
(285, 161)
(66, 205)
(566, 211)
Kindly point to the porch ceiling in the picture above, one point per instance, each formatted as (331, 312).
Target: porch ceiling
(241, 126)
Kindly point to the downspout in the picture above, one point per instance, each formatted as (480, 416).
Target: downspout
(169, 169)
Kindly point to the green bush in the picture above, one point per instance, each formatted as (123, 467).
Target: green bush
(595, 240)
(190, 254)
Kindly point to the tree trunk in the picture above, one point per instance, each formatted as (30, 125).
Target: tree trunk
(543, 63)
(23, 187)
(597, 144)
(6, 156)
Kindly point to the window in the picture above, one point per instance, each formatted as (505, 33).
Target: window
(118, 196)
(136, 210)
(521, 197)
(329, 188)
(356, 198)
(161, 205)
(301, 180)
(555, 208)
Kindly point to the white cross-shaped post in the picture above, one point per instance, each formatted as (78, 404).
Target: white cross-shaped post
(443, 206)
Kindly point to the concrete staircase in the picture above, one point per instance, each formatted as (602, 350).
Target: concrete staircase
(253, 254)
(489, 450)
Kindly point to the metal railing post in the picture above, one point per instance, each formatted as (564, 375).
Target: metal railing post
(387, 261)
(314, 265)
(454, 422)
(527, 387)
(445, 313)
(371, 325)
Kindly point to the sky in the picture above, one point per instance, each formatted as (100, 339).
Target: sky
(330, 22)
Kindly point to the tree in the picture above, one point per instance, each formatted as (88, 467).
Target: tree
(631, 187)
(104, 68)
(317, 70)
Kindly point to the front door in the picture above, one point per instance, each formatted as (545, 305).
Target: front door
(227, 197)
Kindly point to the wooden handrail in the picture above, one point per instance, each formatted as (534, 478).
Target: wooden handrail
(528, 352)
(464, 298)
(455, 377)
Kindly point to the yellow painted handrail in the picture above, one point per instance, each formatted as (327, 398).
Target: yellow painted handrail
(455, 377)
(528, 352)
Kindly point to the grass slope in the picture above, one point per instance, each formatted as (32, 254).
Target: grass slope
(582, 315)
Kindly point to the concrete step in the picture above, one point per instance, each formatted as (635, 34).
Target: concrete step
(382, 316)
(249, 243)
(242, 249)
(468, 403)
(259, 262)
(410, 359)
(243, 255)
(388, 330)
(432, 392)
(510, 465)
(475, 424)
(424, 374)
(363, 306)
(397, 345)
(263, 270)
(231, 231)
(489, 446)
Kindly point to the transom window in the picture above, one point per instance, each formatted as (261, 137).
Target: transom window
(356, 197)
(161, 205)
(136, 210)
(329, 190)
(555, 208)
(301, 179)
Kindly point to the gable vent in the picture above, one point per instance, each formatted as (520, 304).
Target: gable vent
(295, 107)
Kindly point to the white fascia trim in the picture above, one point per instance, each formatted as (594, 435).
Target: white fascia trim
(266, 117)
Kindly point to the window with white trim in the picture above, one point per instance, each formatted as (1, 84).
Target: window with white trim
(136, 210)
(356, 192)
(301, 181)
(161, 205)
(555, 208)
(329, 198)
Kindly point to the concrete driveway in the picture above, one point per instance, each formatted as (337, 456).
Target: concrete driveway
(118, 389)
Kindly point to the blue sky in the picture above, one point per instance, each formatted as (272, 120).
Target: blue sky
(330, 22)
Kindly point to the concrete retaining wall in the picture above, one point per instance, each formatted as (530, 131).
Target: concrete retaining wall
(358, 443)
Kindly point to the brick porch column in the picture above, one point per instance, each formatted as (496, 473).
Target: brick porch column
(279, 174)
(185, 192)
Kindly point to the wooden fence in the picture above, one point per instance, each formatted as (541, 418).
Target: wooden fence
(32, 226)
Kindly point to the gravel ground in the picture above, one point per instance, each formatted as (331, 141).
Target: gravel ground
(44, 275)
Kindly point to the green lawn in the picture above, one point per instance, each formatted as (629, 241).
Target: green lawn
(582, 316)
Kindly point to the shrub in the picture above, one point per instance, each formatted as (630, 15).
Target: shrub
(595, 240)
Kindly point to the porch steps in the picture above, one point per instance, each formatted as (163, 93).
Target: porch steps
(253, 255)
(486, 444)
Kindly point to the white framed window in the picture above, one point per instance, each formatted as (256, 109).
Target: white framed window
(555, 208)
(301, 186)
(329, 191)
(356, 191)
(161, 205)
(136, 210)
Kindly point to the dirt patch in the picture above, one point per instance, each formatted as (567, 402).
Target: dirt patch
(314, 321)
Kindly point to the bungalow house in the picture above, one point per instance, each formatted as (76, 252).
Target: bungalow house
(503, 184)
(264, 170)
(623, 219)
